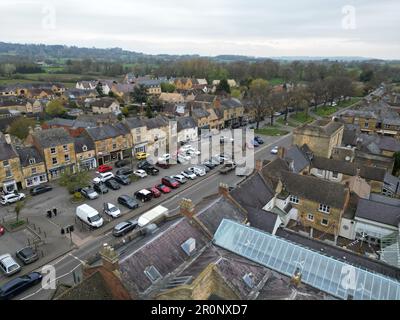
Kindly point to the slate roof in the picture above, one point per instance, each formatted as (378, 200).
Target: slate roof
(61, 122)
(314, 189)
(186, 123)
(231, 103)
(157, 122)
(134, 123)
(273, 170)
(334, 165)
(82, 141)
(103, 102)
(107, 131)
(372, 173)
(208, 98)
(300, 159)
(378, 212)
(27, 153)
(7, 151)
(261, 219)
(52, 137)
(198, 113)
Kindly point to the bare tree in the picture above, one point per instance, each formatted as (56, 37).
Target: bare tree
(259, 93)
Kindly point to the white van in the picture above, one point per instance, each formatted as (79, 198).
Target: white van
(152, 215)
(89, 215)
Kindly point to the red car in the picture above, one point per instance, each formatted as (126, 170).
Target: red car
(104, 168)
(2, 230)
(169, 182)
(155, 192)
(163, 188)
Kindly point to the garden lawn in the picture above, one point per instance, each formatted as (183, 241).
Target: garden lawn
(271, 131)
(301, 117)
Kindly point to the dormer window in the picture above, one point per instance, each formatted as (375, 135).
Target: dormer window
(53, 150)
(84, 148)
(324, 208)
(32, 161)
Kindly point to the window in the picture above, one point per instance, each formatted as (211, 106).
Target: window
(137, 131)
(32, 161)
(325, 222)
(335, 174)
(66, 157)
(366, 124)
(152, 273)
(65, 147)
(8, 173)
(114, 146)
(43, 178)
(310, 217)
(33, 170)
(294, 199)
(53, 150)
(6, 163)
(324, 208)
(54, 161)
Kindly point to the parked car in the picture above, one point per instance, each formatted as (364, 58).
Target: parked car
(128, 202)
(140, 173)
(141, 155)
(89, 193)
(183, 158)
(11, 198)
(277, 114)
(216, 161)
(274, 150)
(27, 255)
(180, 178)
(40, 189)
(197, 171)
(2, 230)
(259, 140)
(124, 171)
(163, 188)
(124, 228)
(8, 265)
(170, 182)
(164, 157)
(210, 164)
(254, 143)
(100, 188)
(18, 285)
(89, 215)
(227, 167)
(193, 152)
(112, 184)
(122, 179)
(143, 164)
(103, 177)
(203, 167)
(155, 192)
(104, 168)
(122, 163)
(222, 139)
(188, 174)
(151, 170)
(219, 159)
(143, 195)
(111, 210)
(163, 164)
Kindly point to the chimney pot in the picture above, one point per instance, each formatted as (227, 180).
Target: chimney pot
(223, 189)
(281, 152)
(186, 208)
(259, 165)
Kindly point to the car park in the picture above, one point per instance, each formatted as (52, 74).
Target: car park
(18, 285)
(124, 171)
(180, 178)
(103, 177)
(8, 265)
(163, 188)
(274, 150)
(122, 179)
(122, 163)
(112, 184)
(100, 188)
(170, 182)
(124, 228)
(104, 168)
(89, 193)
(188, 174)
(128, 202)
(155, 192)
(111, 210)
(40, 189)
(141, 155)
(143, 195)
(11, 198)
(197, 171)
(140, 173)
(27, 255)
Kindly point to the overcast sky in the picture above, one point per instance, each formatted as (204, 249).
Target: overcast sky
(210, 27)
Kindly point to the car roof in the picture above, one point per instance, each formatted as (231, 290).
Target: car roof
(122, 224)
(125, 196)
(7, 260)
(144, 191)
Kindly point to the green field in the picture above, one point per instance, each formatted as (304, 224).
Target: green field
(271, 131)
(345, 104)
(325, 111)
(301, 117)
(276, 81)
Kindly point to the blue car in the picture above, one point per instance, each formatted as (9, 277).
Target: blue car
(254, 143)
(259, 140)
(19, 285)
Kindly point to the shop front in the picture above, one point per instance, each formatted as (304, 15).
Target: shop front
(35, 180)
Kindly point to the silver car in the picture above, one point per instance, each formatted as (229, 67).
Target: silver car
(8, 265)
(89, 193)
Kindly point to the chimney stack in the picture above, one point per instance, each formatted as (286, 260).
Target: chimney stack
(259, 165)
(281, 152)
(186, 208)
(109, 258)
(223, 189)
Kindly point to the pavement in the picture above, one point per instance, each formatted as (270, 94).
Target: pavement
(195, 190)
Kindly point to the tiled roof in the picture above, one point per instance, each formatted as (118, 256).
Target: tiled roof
(378, 212)
(186, 123)
(28, 153)
(106, 131)
(52, 137)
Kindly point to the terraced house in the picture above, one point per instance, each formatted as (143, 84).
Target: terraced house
(233, 111)
(57, 148)
(10, 167)
(112, 142)
(138, 131)
(85, 153)
(32, 166)
(157, 135)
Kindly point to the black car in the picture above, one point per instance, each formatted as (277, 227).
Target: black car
(128, 202)
(151, 170)
(142, 164)
(122, 163)
(124, 172)
(100, 188)
(122, 179)
(143, 195)
(19, 285)
(112, 184)
(27, 255)
(124, 227)
(209, 164)
(259, 140)
(40, 189)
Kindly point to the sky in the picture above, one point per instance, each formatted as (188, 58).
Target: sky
(262, 28)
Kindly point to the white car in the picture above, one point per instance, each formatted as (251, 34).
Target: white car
(180, 178)
(164, 157)
(274, 150)
(8, 265)
(140, 173)
(11, 198)
(111, 210)
(183, 158)
(197, 171)
(188, 174)
(103, 177)
(192, 152)
(185, 148)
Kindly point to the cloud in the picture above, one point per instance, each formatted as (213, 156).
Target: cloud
(208, 27)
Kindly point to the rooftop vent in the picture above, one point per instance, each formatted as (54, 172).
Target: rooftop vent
(152, 273)
(189, 246)
(248, 278)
